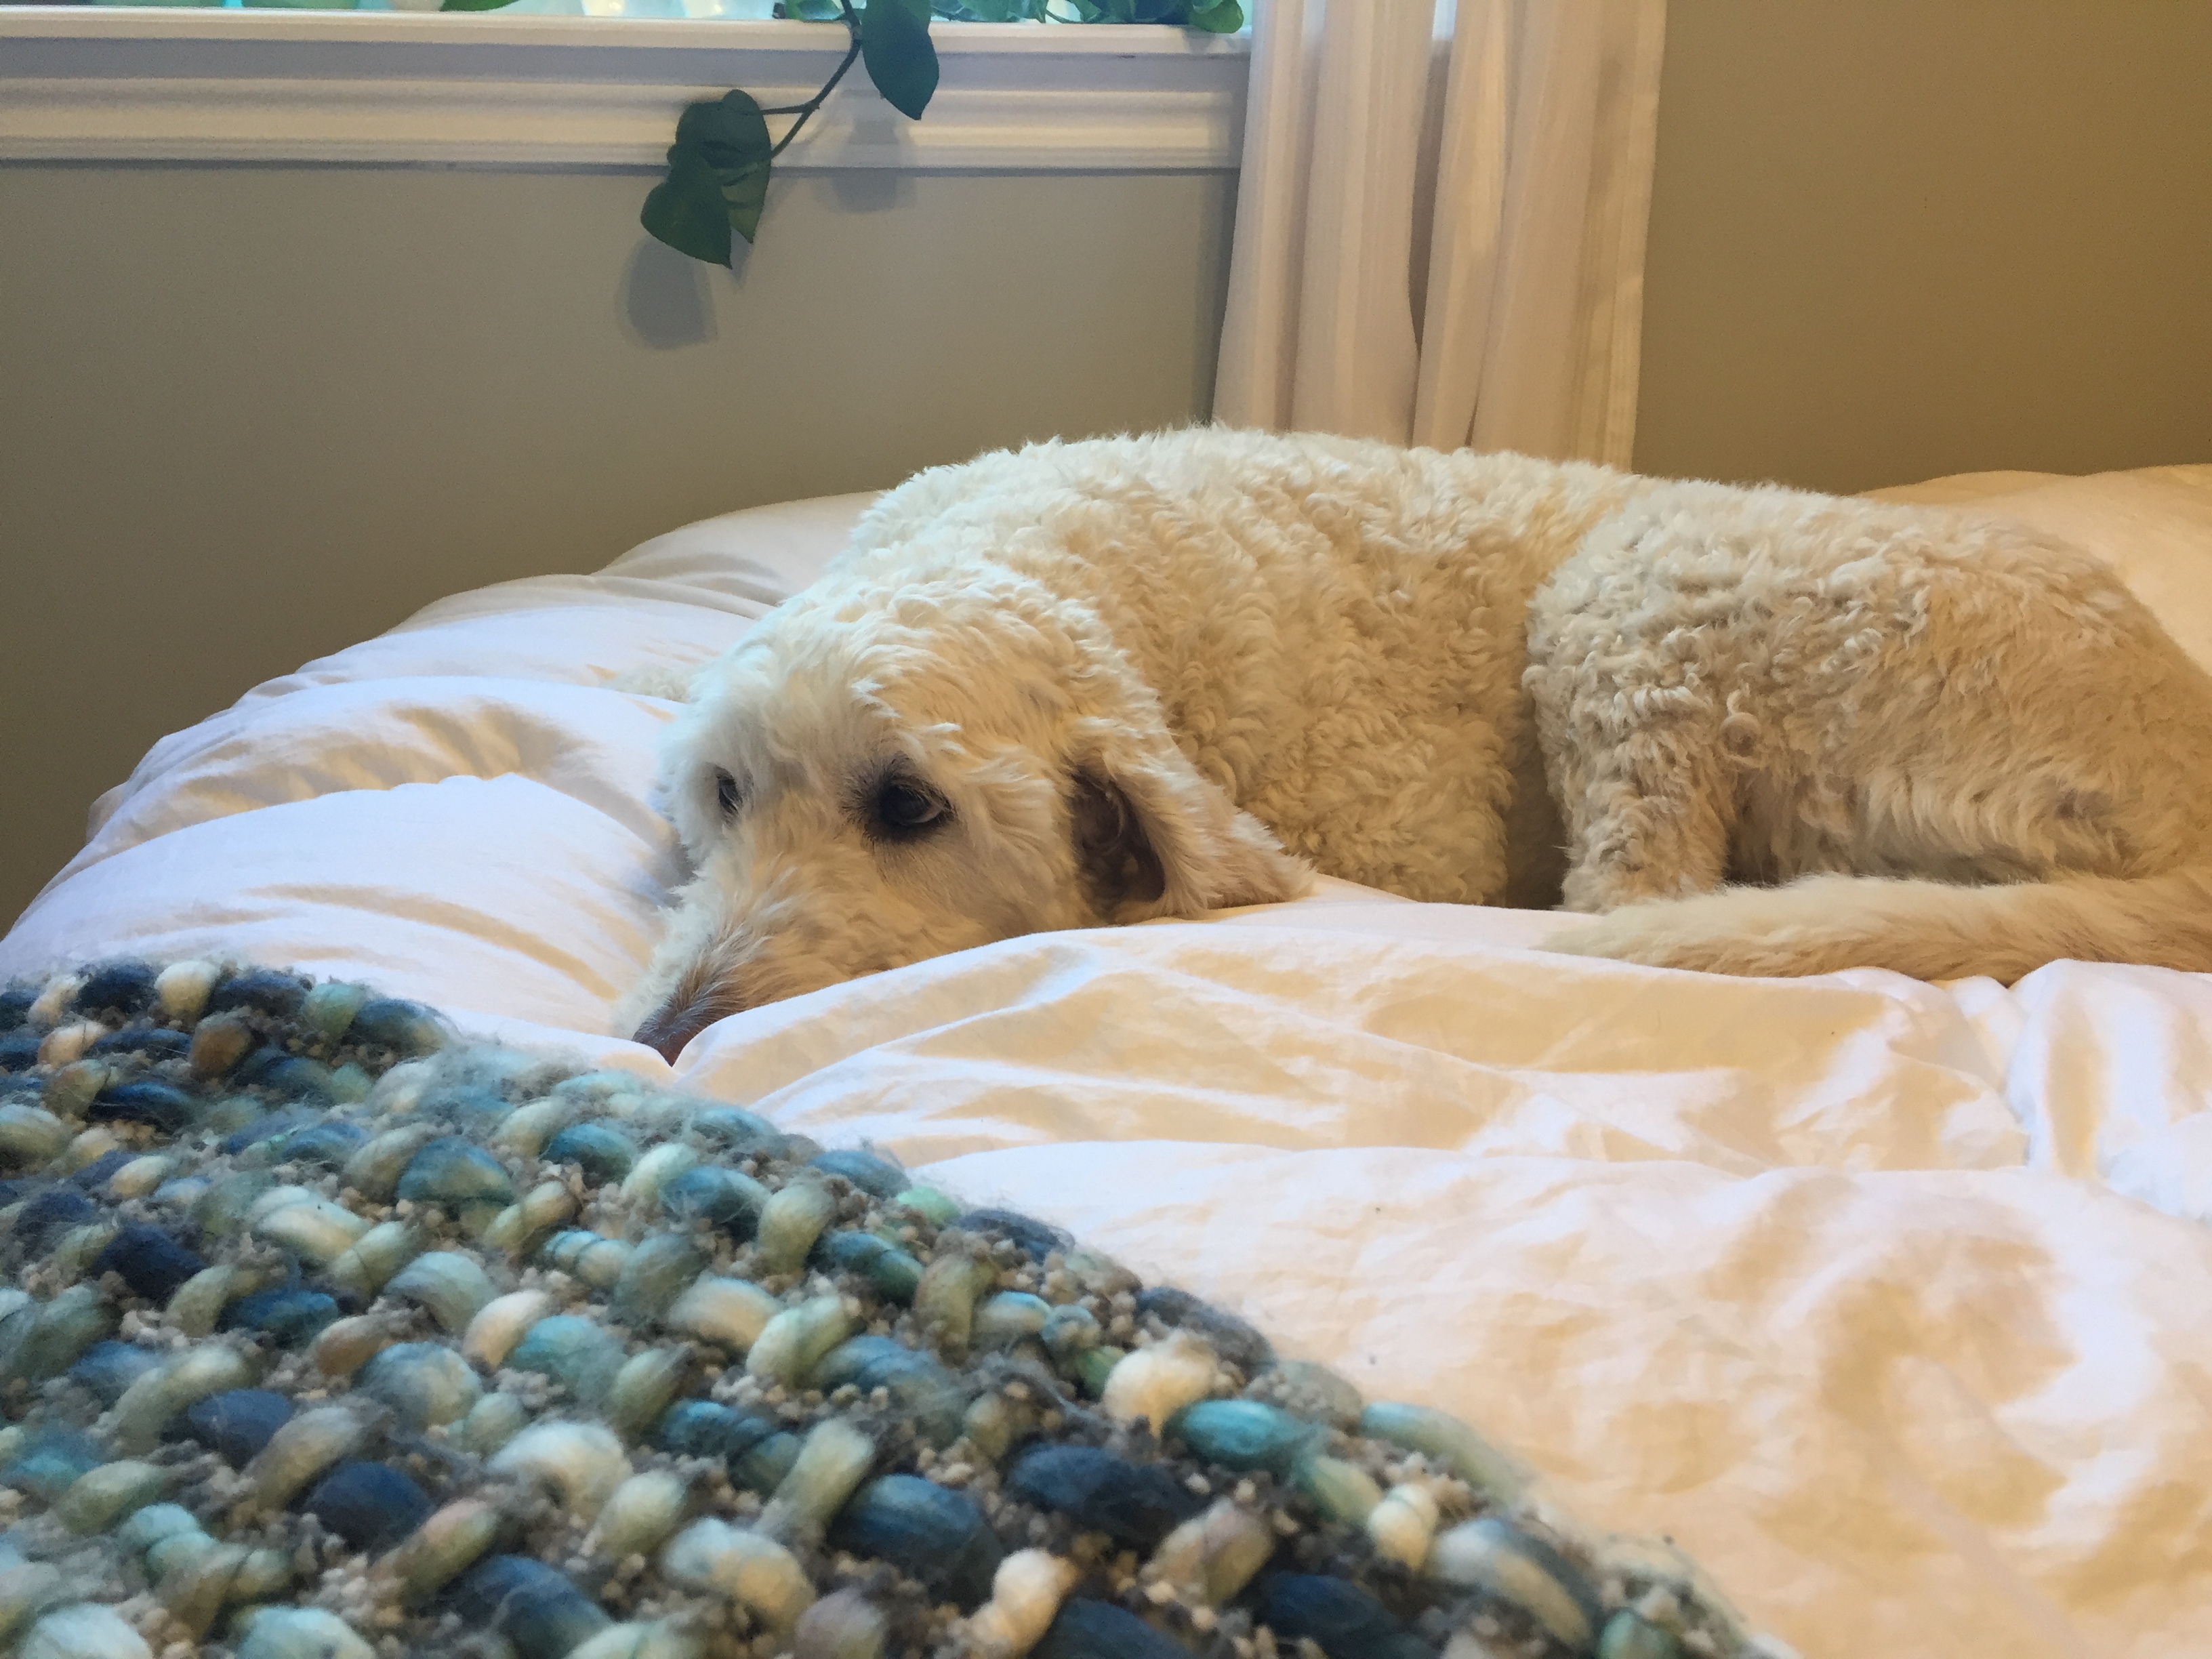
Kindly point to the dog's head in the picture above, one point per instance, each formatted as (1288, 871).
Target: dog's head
(884, 773)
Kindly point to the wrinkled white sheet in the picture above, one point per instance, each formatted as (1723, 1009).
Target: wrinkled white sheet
(1892, 1302)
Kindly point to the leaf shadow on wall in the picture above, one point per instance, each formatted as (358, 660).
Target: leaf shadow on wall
(871, 190)
(665, 303)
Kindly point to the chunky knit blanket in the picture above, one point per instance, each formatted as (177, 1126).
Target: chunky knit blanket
(327, 1335)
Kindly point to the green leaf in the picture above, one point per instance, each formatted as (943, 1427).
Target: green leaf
(474, 5)
(1221, 17)
(731, 136)
(686, 209)
(813, 11)
(895, 46)
(743, 194)
(731, 130)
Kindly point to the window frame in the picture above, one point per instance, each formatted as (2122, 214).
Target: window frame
(98, 83)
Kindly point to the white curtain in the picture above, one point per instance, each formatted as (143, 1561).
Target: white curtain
(1440, 222)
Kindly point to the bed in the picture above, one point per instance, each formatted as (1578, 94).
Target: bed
(1889, 1301)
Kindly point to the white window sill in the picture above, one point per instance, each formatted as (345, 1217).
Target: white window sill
(111, 84)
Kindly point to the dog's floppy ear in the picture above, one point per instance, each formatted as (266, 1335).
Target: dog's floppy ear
(1154, 838)
(1113, 853)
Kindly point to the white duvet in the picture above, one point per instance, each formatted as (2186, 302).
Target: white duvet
(1893, 1303)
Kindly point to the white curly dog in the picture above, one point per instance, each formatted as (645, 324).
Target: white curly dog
(1102, 681)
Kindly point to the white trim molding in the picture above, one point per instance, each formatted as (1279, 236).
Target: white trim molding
(112, 84)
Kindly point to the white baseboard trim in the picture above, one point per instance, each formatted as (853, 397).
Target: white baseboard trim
(83, 83)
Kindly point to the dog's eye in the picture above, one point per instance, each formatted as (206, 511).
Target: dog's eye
(903, 809)
(726, 795)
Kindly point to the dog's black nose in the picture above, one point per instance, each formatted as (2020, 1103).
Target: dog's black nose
(677, 1021)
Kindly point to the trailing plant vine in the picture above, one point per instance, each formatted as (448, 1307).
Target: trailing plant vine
(718, 167)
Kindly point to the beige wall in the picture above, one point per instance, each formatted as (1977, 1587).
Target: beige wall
(1894, 239)
(248, 414)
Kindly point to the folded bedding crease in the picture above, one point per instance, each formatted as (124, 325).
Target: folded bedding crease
(1887, 1301)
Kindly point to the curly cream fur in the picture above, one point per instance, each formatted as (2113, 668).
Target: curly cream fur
(1153, 676)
